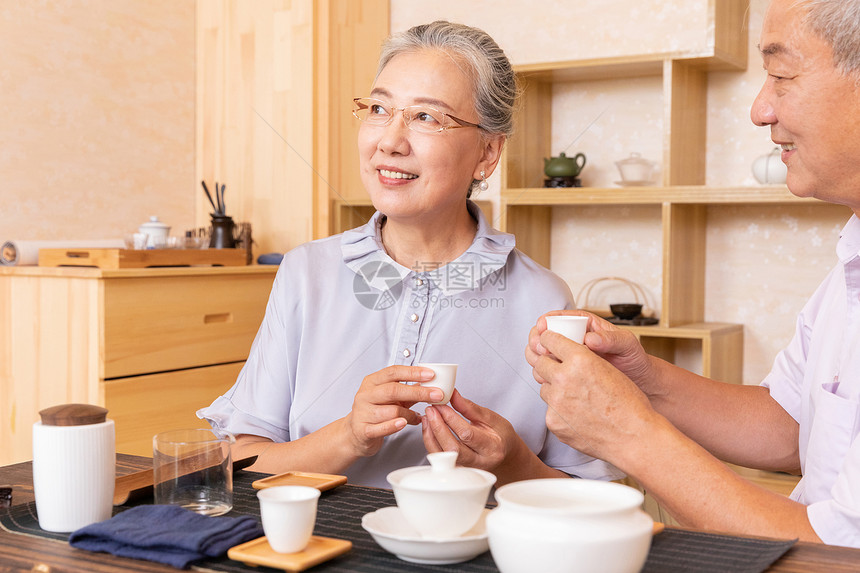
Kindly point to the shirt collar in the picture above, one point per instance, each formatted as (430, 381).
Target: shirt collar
(848, 246)
(364, 253)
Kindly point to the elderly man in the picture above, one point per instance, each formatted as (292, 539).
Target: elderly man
(669, 428)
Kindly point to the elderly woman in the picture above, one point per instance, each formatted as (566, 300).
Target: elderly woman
(331, 380)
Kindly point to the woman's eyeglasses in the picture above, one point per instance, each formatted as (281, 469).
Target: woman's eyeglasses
(420, 118)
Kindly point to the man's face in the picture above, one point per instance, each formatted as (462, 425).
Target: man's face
(813, 110)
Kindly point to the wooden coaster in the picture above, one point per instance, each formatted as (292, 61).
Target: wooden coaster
(259, 552)
(320, 481)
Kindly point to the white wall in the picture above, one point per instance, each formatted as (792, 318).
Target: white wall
(96, 117)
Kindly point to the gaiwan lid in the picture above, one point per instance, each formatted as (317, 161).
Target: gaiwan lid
(73, 415)
(634, 159)
(443, 475)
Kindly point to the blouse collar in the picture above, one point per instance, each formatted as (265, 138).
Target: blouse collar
(364, 253)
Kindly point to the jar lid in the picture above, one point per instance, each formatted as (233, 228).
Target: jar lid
(154, 223)
(442, 475)
(73, 415)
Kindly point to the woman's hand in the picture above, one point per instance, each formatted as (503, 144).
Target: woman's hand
(382, 406)
(481, 437)
(617, 346)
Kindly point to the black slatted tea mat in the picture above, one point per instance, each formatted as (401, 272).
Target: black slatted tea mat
(677, 551)
(341, 510)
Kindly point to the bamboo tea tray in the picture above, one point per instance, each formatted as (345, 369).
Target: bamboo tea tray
(138, 259)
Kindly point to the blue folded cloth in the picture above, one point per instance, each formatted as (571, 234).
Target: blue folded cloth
(166, 534)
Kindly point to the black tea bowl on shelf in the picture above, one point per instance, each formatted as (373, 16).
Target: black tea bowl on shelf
(626, 311)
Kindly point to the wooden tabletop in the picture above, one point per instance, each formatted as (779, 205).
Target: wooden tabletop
(33, 554)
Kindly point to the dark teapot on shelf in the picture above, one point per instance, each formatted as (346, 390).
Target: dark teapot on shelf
(563, 166)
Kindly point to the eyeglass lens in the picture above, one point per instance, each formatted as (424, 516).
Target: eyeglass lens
(416, 117)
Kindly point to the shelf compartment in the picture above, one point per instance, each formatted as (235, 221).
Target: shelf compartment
(719, 345)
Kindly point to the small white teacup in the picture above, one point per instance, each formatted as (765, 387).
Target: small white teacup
(572, 327)
(446, 376)
(289, 513)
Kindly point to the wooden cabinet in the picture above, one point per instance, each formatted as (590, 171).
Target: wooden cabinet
(150, 345)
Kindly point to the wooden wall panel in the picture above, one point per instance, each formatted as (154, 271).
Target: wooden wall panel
(254, 115)
(354, 31)
(275, 82)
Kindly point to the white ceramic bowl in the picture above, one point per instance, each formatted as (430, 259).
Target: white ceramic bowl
(567, 526)
(442, 502)
(393, 533)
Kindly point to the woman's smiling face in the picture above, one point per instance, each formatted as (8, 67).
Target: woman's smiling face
(411, 175)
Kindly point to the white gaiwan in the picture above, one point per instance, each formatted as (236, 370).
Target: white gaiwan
(569, 525)
(441, 501)
(636, 170)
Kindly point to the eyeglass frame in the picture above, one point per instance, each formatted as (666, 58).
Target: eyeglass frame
(461, 122)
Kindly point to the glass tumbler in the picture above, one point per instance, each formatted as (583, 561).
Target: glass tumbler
(194, 469)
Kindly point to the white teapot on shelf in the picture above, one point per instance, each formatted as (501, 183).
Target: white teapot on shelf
(156, 232)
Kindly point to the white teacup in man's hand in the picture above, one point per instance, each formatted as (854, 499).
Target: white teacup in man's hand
(572, 327)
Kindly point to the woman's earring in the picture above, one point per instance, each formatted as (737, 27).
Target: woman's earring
(483, 185)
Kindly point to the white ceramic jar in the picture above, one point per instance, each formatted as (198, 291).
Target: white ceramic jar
(74, 466)
(769, 168)
(567, 526)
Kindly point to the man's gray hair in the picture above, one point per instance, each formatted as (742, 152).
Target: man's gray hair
(494, 83)
(837, 22)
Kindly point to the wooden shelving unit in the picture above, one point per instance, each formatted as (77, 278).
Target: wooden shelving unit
(527, 206)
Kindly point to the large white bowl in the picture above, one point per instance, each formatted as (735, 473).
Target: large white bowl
(567, 526)
(393, 533)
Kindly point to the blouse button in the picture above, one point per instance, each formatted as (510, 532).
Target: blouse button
(413, 317)
(406, 353)
(419, 282)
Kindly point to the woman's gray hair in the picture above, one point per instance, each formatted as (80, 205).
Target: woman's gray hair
(837, 22)
(494, 82)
